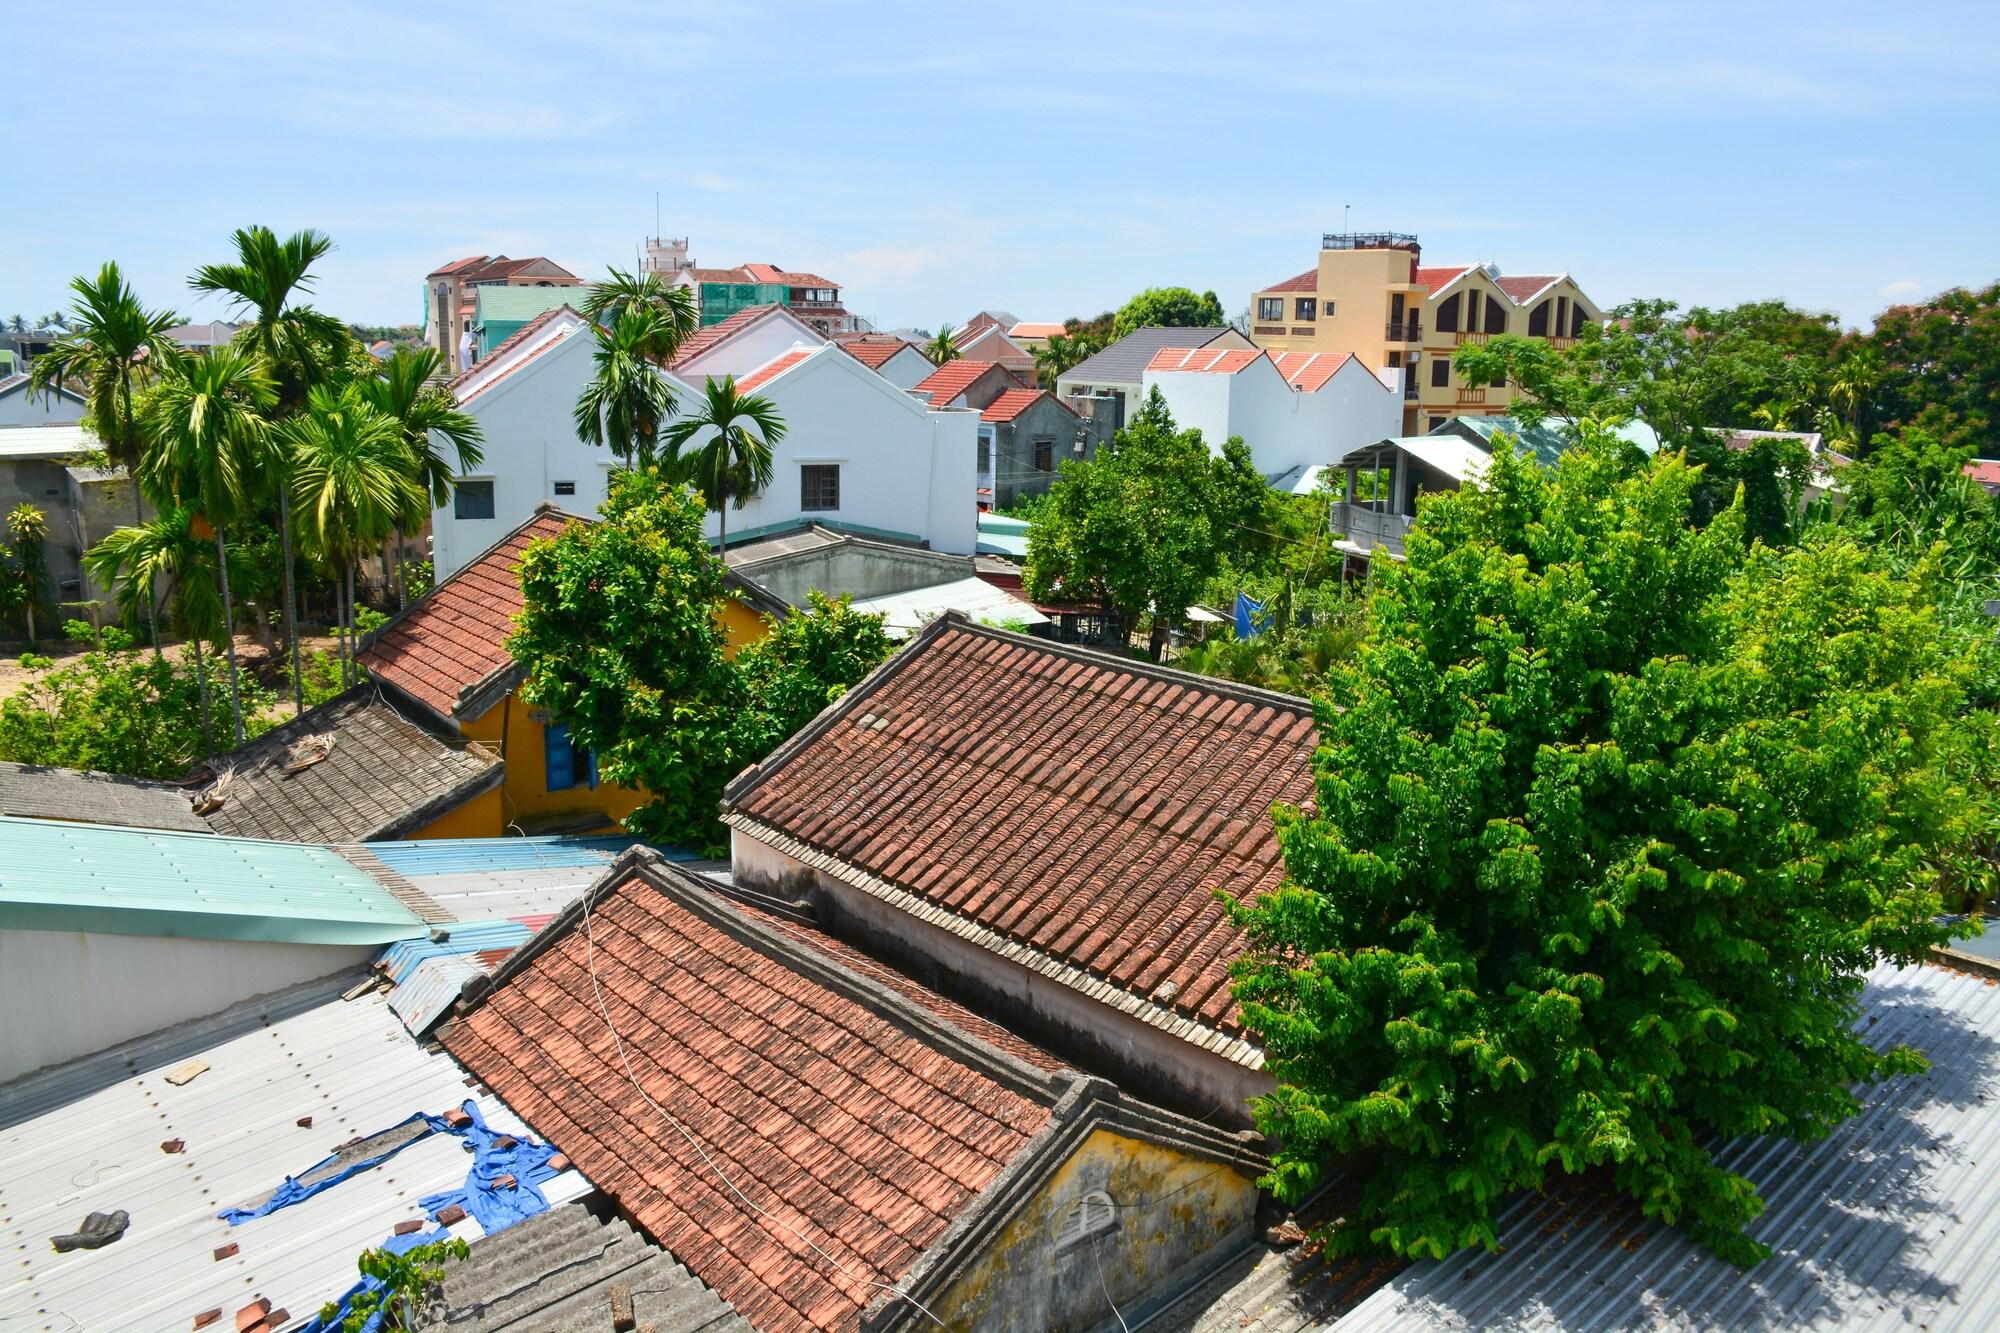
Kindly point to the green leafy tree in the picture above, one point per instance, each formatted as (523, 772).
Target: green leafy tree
(1064, 351)
(1169, 307)
(443, 443)
(352, 481)
(943, 346)
(1940, 355)
(676, 316)
(28, 527)
(1139, 528)
(627, 402)
(114, 348)
(806, 663)
(403, 1283)
(733, 462)
(302, 347)
(619, 639)
(1613, 814)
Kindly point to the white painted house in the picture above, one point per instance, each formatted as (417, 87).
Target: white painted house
(21, 406)
(738, 345)
(1295, 410)
(858, 453)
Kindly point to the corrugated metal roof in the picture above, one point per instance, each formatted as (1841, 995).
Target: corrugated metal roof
(57, 876)
(1890, 1222)
(402, 958)
(86, 1136)
(431, 988)
(46, 441)
(904, 613)
(444, 856)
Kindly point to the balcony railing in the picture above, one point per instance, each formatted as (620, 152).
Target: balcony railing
(1304, 332)
(1367, 240)
(1409, 385)
(1369, 527)
(1406, 331)
(1559, 343)
(1268, 330)
(1477, 395)
(1470, 336)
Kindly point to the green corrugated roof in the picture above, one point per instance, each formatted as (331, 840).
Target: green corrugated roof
(1546, 441)
(59, 876)
(520, 303)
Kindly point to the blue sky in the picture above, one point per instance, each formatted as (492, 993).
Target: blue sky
(1045, 159)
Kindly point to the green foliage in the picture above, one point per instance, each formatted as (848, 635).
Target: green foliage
(115, 710)
(319, 674)
(723, 447)
(942, 347)
(419, 576)
(1168, 307)
(620, 642)
(1139, 527)
(806, 663)
(405, 1279)
(627, 402)
(1064, 351)
(1940, 355)
(24, 573)
(1613, 814)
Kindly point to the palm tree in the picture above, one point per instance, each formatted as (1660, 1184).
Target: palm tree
(16, 324)
(406, 391)
(303, 347)
(944, 347)
(132, 561)
(114, 348)
(679, 315)
(29, 527)
(735, 462)
(1063, 352)
(56, 319)
(351, 480)
(627, 400)
(211, 446)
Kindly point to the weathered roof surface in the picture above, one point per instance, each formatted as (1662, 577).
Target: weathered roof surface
(478, 879)
(1440, 276)
(83, 877)
(904, 613)
(1073, 811)
(454, 638)
(1522, 288)
(874, 350)
(1888, 1223)
(1125, 361)
(1307, 281)
(384, 776)
(86, 1136)
(953, 378)
(805, 537)
(40, 792)
(21, 380)
(22, 442)
(863, 1118)
(1013, 402)
(554, 1272)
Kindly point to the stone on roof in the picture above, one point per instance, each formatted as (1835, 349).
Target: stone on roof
(385, 775)
(83, 797)
(1125, 361)
(1070, 808)
(448, 651)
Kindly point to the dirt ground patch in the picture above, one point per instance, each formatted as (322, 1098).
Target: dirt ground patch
(250, 657)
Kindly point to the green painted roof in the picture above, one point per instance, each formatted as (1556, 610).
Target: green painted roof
(59, 876)
(1545, 441)
(504, 304)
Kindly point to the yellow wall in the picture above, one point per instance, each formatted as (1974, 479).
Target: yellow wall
(740, 625)
(479, 817)
(511, 732)
(1174, 1210)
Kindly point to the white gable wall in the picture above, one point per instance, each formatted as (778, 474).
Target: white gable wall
(18, 407)
(1283, 427)
(907, 368)
(749, 348)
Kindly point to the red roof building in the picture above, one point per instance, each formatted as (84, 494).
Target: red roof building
(966, 383)
(764, 374)
(1029, 810)
(823, 1141)
(1012, 403)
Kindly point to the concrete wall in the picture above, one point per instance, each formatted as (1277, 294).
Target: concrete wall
(1177, 1215)
(907, 368)
(859, 571)
(68, 993)
(509, 730)
(1285, 428)
(20, 408)
(1137, 1056)
(1014, 473)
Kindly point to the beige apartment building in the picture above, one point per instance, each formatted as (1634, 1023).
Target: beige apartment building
(1371, 294)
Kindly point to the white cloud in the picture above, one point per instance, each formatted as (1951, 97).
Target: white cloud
(1900, 287)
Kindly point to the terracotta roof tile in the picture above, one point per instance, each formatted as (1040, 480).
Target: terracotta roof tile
(866, 1123)
(1071, 802)
(1438, 278)
(1032, 329)
(457, 266)
(1309, 372)
(953, 378)
(1525, 287)
(1307, 281)
(455, 637)
(871, 351)
(506, 347)
(1206, 360)
(1013, 403)
(764, 374)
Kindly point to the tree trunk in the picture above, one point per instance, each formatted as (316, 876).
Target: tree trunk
(291, 618)
(201, 687)
(396, 565)
(229, 637)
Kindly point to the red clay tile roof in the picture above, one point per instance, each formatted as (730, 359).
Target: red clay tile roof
(953, 378)
(860, 1119)
(1524, 287)
(455, 637)
(1308, 372)
(1985, 471)
(1013, 403)
(764, 273)
(1206, 360)
(764, 374)
(1307, 281)
(707, 339)
(1437, 279)
(1073, 802)
(457, 266)
(871, 351)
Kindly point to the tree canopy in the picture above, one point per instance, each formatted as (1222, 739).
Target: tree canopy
(1613, 813)
(1168, 307)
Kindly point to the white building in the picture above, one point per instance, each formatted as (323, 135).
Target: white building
(858, 453)
(20, 405)
(738, 345)
(1295, 410)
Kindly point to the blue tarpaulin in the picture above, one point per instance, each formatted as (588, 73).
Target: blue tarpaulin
(1249, 616)
(292, 1191)
(338, 1315)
